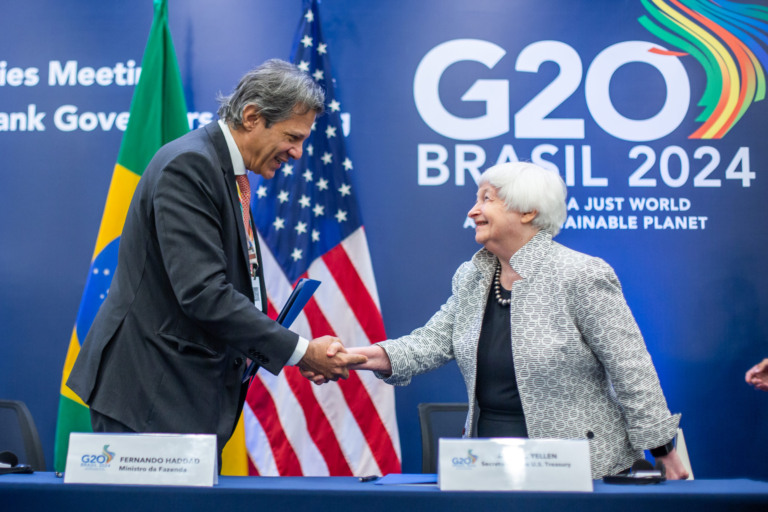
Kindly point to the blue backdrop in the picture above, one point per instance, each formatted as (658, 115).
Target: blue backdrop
(662, 155)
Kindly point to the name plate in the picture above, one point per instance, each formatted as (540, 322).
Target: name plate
(512, 464)
(142, 459)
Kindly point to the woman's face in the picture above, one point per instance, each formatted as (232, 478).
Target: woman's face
(495, 226)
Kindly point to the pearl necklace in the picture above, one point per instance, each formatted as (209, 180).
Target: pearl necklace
(497, 288)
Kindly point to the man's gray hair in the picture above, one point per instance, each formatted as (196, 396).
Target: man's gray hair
(278, 89)
(525, 187)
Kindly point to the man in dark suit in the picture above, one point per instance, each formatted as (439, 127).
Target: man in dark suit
(185, 313)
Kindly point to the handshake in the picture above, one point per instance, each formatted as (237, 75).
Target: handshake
(327, 359)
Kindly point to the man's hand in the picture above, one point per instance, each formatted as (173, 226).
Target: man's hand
(329, 364)
(758, 375)
(375, 358)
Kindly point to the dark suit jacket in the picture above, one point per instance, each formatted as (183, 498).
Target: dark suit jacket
(166, 352)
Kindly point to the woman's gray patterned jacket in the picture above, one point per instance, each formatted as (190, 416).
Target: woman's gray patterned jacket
(583, 371)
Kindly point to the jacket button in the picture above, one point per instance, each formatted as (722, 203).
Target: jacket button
(238, 361)
(252, 353)
(590, 434)
(263, 359)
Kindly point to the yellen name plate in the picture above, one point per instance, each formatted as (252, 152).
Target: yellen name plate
(511, 464)
(142, 459)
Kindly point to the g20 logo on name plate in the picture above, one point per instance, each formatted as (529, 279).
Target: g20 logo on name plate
(465, 462)
(98, 460)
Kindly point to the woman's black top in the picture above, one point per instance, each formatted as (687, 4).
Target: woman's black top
(501, 412)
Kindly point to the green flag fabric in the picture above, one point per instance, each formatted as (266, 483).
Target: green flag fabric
(158, 115)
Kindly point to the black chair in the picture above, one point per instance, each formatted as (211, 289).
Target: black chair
(18, 434)
(438, 420)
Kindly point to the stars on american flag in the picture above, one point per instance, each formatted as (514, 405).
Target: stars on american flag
(309, 206)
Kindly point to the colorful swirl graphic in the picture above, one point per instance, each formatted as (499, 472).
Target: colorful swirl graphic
(108, 454)
(472, 456)
(728, 39)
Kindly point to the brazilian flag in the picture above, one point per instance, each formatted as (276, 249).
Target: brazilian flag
(158, 115)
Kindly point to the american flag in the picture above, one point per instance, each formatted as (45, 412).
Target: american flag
(309, 226)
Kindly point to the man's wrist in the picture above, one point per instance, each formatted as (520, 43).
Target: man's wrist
(298, 352)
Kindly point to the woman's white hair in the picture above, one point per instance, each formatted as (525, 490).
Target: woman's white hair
(526, 187)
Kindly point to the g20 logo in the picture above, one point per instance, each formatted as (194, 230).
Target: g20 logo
(533, 119)
(467, 461)
(105, 457)
(728, 41)
(93, 459)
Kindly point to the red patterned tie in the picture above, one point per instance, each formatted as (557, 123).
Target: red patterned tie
(245, 200)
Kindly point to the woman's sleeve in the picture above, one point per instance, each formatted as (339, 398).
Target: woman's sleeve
(608, 327)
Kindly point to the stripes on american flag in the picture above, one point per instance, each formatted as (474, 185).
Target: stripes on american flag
(309, 226)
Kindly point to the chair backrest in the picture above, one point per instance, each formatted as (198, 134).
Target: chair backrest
(18, 434)
(438, 420)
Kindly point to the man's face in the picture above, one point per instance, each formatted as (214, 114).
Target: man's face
(266, 149)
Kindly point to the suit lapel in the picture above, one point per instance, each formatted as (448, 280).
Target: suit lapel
(220, 145)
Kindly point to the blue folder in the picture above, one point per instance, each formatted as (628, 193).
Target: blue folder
(299, 297)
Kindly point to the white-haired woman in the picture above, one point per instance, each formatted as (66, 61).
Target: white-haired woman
(542, 334)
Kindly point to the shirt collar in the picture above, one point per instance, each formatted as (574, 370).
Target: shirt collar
(238, 164)
(529, 258)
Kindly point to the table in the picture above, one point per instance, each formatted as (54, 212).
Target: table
(45, 492)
